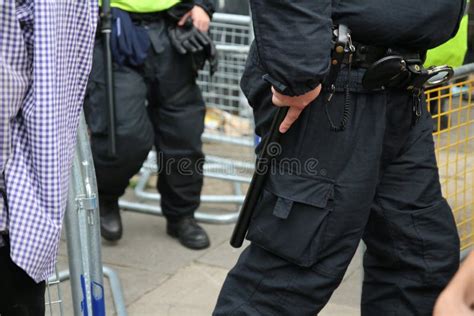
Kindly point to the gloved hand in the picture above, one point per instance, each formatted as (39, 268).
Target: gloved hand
(188, 39)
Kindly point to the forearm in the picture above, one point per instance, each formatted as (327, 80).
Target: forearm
(294, 41)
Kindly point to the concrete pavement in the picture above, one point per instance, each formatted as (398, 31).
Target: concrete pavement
(160, 277)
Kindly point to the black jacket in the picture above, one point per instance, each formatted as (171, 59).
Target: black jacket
(293, 37)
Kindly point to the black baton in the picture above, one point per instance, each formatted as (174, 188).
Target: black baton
(106, 30)
(258, 180)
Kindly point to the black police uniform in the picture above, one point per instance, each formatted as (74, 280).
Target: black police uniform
(377, 180)
(157, 103)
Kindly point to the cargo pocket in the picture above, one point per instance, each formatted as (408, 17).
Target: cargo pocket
(426, 243)
(439, 238)
(290, 218)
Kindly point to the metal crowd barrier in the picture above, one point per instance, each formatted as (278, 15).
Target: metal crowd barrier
(452, 106)
(228, 148)
(83, 244)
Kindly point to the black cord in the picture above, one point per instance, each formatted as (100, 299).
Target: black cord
(347, 106)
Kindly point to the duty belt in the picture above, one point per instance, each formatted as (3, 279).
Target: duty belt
(387, 68)
(366, 55)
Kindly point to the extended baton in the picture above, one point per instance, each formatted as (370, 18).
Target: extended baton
(106, 30)
(258, 180)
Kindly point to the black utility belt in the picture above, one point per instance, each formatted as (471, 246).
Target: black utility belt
(147, 18)
(387, 68)
(366, 55)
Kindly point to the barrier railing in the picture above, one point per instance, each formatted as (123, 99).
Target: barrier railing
(452, 107)
(83, 245)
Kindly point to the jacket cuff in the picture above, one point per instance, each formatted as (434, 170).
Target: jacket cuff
(293, 90)
(207, 5)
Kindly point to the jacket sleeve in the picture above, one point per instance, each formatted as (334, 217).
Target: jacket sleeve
(293, 40)
(207, 5)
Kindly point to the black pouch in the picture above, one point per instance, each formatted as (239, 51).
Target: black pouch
(129, 42)
(291, 217)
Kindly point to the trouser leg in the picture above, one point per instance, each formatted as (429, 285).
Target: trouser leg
(19, 294)
(177, 113)
(411, 237)
(264, 284)
(134, 133)
(311, 215)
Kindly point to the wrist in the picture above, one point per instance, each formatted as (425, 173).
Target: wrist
(209, 9)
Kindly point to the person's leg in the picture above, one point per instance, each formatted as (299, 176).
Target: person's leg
(177, 111)
(134, 136)
(411, 237)
(312, 213)
(19, 294)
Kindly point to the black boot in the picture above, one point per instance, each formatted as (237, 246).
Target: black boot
(110, 220)
(189, 233)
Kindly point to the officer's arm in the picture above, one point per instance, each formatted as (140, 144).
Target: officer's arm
(294, 42)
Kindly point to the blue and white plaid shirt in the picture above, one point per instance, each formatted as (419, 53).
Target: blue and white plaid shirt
(45, 59)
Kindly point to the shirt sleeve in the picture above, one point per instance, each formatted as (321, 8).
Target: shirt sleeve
(293, 40)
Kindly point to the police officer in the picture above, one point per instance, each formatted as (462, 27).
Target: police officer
(366, 170)
(157, 102)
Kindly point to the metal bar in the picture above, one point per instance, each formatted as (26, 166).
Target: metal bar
(231, 18)
(61, 276)
(200, 216)
(116, 288)
(153, 196)
(233, 140)
(92, 232)
(230, 162)
(463, 71)
(74, 248)
(233, 48)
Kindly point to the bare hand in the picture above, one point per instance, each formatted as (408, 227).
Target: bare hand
(200, 18)
(450, 305)
(297, 104)
(457, 299)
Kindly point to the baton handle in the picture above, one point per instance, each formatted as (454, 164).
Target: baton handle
(258, 181)
(106, 29)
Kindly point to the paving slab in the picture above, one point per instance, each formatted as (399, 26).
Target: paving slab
(194, 290)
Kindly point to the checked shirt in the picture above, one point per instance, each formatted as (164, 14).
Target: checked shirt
(45, 59)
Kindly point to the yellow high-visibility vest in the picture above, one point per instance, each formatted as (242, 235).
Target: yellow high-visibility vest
(452, 52)
(142, 6)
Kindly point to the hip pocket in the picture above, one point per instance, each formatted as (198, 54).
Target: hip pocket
(291, 217)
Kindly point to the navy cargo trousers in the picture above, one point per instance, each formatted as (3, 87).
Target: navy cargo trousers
(377, 181)
(160, 104)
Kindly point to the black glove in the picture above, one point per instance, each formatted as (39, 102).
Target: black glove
(188, 39)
